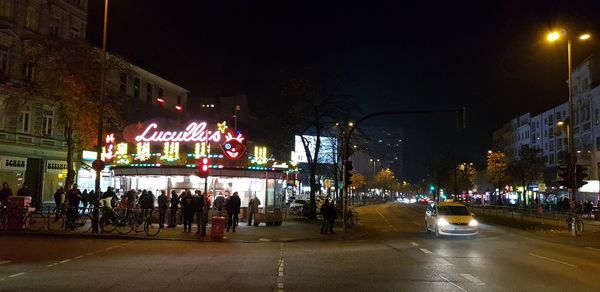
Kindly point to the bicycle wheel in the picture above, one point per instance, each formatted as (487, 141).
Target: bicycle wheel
(124, 226)
(34, 221)
(579, 226)
(108, 224)
(56, 223)
(137, 222)
(568, 222)
(150, 228)
(82, 224)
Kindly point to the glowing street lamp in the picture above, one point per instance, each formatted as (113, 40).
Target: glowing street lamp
(571, 161)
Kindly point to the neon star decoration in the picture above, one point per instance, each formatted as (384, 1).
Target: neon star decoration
(222, 126)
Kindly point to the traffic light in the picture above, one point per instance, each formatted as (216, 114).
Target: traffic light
(580, 175)
(348, 172)
(203, 165)
(565, 177)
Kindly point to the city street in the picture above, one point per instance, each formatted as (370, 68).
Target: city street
(394, 255)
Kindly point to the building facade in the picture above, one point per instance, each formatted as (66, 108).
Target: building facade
(32, 144)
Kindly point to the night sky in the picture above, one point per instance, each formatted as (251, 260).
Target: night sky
(489, 56)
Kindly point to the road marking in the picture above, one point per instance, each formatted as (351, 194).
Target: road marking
(592, 248)
(472, 279)
(109, 248)
(414, 243)
(51, 265)
(459, 287)
(65, 261)
(424, 250)
(280, 269)
(90, 253)
(4, 262)
(552, 260)
(443, 262)
(77, 257)
(16, 275)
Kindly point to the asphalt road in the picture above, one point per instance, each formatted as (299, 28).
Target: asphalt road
(395, 255)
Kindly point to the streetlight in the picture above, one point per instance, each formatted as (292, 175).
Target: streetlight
(99, 164)
(571, 160)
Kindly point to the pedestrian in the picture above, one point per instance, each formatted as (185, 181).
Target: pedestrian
(163, 205)
(73, 200)
(85, 199)
(144, 201)
(59, 199)
(219, 202)
(4, 194)
(325, 225)
(332, 213)
(199, 210)
(253, 209)
(233, 210)
(174, 206)
(187, 208)
(110, 193)
(132, 197)
(24, 191)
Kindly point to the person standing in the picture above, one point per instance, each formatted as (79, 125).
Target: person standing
(233, 210)
(73, 200)
(174, 206)
(187, 208)
(110, 193)
(253, 209)
(199, 210)
(146, 202)
(24, 191)
(85, 199)
(4, 194)
(326, 217)
(59, 199)
(163, 205)
(332, 212)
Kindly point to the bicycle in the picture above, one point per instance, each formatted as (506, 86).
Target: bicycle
(70, 220)
(578, 223)
(111, 220)
(352, 218)
(31, 221)
(150, 228)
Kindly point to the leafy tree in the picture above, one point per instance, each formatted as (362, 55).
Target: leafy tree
(466, 175)
(68, 78)
(527, 169)
(385, 180)
(497, 165)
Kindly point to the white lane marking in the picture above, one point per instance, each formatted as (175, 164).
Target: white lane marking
(459, 287)
(424, 250)
(552, 260)
(592, 248)
(414, 243)
(51, 265)
(444, 262)
(90, 253)
(109, 248)
(16, 275)
(65, 261)
(473, 279)
(77, 257)
(280, 269)
(4, 262)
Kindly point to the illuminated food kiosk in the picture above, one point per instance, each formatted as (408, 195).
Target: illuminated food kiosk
(165, 155)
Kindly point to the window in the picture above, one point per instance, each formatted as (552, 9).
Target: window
(24, 121)
(123, 81)
(6, 8)
(149, 88)
(29, 71)
(48, 122)
(179, 99)
(136, 87)
(54, 29)
(4, 58)
(75, 33)
(33, 16)
(161, 92)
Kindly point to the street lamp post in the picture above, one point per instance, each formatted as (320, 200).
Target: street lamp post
(99, 165)
(572, 158)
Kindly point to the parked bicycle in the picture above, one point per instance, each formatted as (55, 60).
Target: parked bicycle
(578, 223)
(70, 219)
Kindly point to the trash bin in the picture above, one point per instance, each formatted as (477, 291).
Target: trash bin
(217, 227)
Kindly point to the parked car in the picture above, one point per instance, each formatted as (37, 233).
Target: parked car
(297, 206)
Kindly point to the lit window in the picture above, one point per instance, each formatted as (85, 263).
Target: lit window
(48, 122)
(24, 121)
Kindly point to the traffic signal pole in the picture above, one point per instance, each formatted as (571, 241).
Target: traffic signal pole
(461, 119)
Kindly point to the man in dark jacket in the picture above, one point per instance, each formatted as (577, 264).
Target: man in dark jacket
(199, 210)
(24, 191)
(233, 210)
(174, 207)
(4, 194)
(163, 205)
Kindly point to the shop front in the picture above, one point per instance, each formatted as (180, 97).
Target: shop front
(164, 155)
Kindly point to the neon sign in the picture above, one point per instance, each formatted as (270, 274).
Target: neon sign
(194, 132)
(260, 155)
(233, 148)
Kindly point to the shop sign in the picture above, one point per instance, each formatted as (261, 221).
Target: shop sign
(13, 163)
(56, 166)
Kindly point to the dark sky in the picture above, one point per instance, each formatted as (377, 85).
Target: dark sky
(392, 55)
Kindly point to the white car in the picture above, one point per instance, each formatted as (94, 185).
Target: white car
(298, 205)
(449, 218)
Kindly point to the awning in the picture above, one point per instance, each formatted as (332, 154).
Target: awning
(129, 171)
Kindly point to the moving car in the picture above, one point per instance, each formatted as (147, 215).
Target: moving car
(450, 218)
(297, 206)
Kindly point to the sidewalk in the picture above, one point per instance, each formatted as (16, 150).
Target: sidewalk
(289, 231)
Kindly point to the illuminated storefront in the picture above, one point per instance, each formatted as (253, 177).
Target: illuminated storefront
(164, 155)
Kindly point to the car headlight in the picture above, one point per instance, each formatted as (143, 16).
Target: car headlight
(442, 222)
(473, 222)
